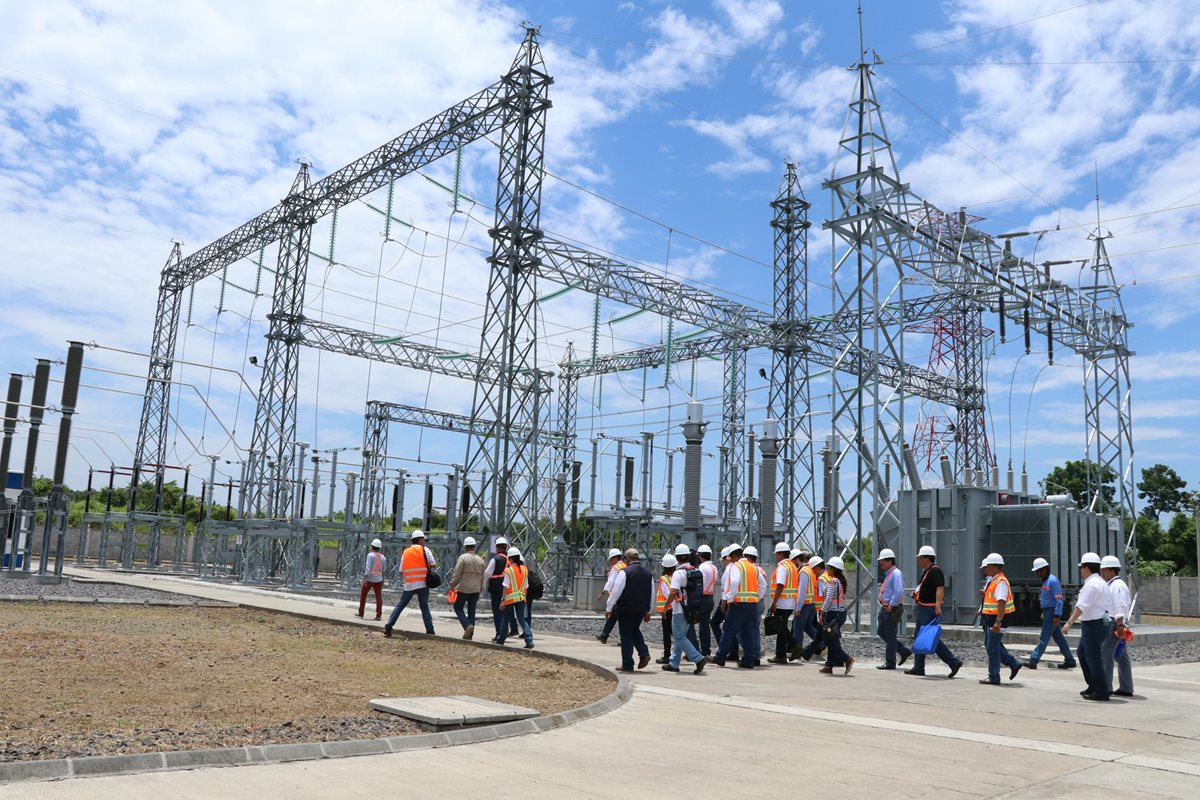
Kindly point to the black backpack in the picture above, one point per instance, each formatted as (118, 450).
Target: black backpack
(695, 588)
(536, 589)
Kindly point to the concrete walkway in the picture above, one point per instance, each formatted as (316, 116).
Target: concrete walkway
(928, 736)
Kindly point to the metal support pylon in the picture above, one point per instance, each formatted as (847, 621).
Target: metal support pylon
(733, 429)
(568, 409)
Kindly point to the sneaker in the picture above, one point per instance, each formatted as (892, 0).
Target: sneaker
(643, 661)
(468, 631)
(914, 671)
(849, 666)
(387, 631)
(669, 668)
(700, 667)
(954, 670)
(1012, 671)
(601, 638)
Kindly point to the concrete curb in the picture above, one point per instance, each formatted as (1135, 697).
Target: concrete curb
(114, 601)
(61, 768)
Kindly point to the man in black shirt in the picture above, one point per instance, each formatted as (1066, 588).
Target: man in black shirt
(630, 602)
(930, 594)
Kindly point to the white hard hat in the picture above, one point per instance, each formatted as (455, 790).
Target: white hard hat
(725, 551)
(734, 548)
(837, 562)
(514, 552)
(1089, 558)
(376, 543)
(682, 550)
(1110, 562)
(795, 553)
(669, 561)
(751, 551)
(501, 540)
(417, 534)
(886, 553)
(704, 549)
(469, 541)
(614, 553)
(816, 561)
(927, 551)
(1039, 563)
(782, 547)
(992, 559)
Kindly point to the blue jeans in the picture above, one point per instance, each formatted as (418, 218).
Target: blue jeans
(422, 595)
(887, 628)
(926, 615)
(681, 643)
(706, 612)
(996, 652)
(741, 625)
(1049, 629)
(1091, 659)
(629, 626)
(516, 614)
(467, 620)
(805, 623)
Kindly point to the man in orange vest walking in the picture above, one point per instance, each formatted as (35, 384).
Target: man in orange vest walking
(739, 599)
(786, 585)
(516, 595)
(415, 564)
(997, 605)
(373, 579)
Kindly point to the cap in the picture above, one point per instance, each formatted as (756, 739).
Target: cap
(815, 561)
(837, 562)
(614, 553)
(795, 553)
(782, 547)
(992, 559)
(670, 561)
(682, 550)
(1110, 562)
(469, 541)
(886, 553)
(632, 553)
(1039, 563)
(927, 551)
(500, 540)
(376, 543)
(704, 549)
(751, 551)
(417, 534)
(514, 552)
(1091, 559)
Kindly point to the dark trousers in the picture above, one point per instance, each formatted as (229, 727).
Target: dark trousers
(706, 612)
(666, 633)
(887, 628)
(717, 624)
(783, 639)
(629, 626)
(1091, 662)
(376, 587)
(467, 620)
(609, 624)
(741, 625)
(926, 615)
(498, 613)
(837, 656)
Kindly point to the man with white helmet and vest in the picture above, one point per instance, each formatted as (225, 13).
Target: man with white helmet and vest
(812, 593)
(1091, 610)
(718, 617)
(750, 553)
(1051, 601)
(515, 586)
(891, 610)
(615, 565)
(494, 574)
(929, 596)
(1110, 571)
(415, 563)
(740, 596)
(709, 570)
(373, 579)
(467, 584)
(662, 607)
(785, 585)
(997, 606)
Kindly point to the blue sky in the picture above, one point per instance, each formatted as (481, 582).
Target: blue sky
(123, 127)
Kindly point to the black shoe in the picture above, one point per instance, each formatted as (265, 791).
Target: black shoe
(529, 645)
(1099, 697)
(903, 658)
(757, 663)
(663, 660)
(954, 670)
(720, 662)
(700, 666)
(1085, 692)
(746, 664)
(623, 669)
(1030, 665)
(602, 639)
(643, 661)
(669, 668)
(1012, 671)
(1065, 665)
(989, 682)
(498, 641)
(1119, 693)
(387, 631)
(886, 666)
(913, 671)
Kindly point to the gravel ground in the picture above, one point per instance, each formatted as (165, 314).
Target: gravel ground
(28, 587)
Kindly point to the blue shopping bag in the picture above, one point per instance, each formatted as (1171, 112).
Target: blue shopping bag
(927, 640)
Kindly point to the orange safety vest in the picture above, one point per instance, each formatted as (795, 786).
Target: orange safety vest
(748, 590)
(791, 589)
(413, 564)
(664, 591)
(991, 606)
(810, 591)
(375, 565)
(518, 577)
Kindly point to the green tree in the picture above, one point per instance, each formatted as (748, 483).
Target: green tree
(1072, 478)
(1162, 489)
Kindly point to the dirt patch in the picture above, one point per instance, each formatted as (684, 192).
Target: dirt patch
(79, 681)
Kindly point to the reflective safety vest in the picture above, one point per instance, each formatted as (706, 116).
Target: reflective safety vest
(748, 590)
(791, 589)
(823, 586)
(991, 606)
(375, 564)
(518, 577)
(413, 564)
(810, 590)
(664, 591)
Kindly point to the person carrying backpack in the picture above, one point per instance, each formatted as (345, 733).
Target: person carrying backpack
(683, 579)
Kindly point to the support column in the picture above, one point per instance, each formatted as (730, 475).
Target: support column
(693, 436)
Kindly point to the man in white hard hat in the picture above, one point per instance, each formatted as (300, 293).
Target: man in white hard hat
(615, 565)
(1051, 600)
(785, 588)
(1092, 612)
(740, 596)
(891, 610)
(997, 606)
(415, 563)
(683, 639)
(516, 596)
(373, 579)
(630, 603)
(494, 574)
(1110, 571)
(662, 607)
(929, 596)
(687, 563)
(718, 617)
(750, 553)
(709, 570)
(467, 584)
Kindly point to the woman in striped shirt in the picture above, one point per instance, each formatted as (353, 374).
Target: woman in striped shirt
(832, 614)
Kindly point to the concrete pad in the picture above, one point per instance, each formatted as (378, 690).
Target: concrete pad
(455, 711)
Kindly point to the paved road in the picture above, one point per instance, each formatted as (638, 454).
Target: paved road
(1032, 738)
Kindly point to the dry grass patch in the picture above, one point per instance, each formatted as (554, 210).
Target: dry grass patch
(88, 680)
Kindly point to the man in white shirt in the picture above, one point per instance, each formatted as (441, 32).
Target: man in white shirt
(681, 643)
(785, 588)
(1091, 611)
(415, 563)
(615, 565)
(1110, 571)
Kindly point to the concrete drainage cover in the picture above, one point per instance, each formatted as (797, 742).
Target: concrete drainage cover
(456, 711)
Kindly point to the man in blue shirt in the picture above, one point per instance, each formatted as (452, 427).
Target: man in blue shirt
(1052, 607)
(891, 610)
